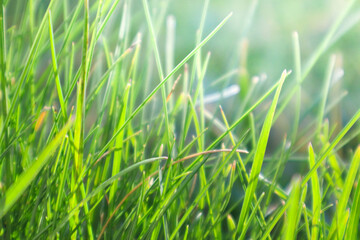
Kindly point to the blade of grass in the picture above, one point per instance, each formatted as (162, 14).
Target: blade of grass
(306, 220)
(241, 163)
(170, 51)
(328, 150)
(79, 122)
(321, 49)
(25, 179)
(4, 144)
(352, 230)
(325, 44)
(251, 217)
(160, 70)
(275, 220)
(259, 156)
(196, 67)
(316, 197)
(325, 89)
(119, 144)
(64, 173)
(4, 97)
(93, 42)
(278, 172)
(297, 61)
(106, 19)
(138, 207)
(294, 209)
(55, 68)
(340, 209)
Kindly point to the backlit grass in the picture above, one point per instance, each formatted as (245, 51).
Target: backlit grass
(127, 119)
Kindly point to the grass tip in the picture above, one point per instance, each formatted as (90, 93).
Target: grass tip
(171, 22)
(255, 80)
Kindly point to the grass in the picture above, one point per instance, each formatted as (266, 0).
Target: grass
(111, 126)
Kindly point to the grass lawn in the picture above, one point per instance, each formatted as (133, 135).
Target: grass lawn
(164, 119)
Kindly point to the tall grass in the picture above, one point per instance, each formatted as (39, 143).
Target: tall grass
(111, 127)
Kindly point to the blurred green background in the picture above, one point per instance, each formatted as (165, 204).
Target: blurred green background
(270, 51)
(265, 28)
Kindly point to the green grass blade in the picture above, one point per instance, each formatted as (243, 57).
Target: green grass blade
(80, 106)
(251, 217)
(105, 21)
(170, 51)
(352, 230)
(259, 156)
(119, 144)
(340, 218)
(297, 61)
(243, 169)
(4, 143)
(294, 209)
(160, 69)
(25, 179)
(325, 91)
(79, 125)
(316, 197)
(324, 45)
(275, 220)
(93, 39)
(55, 68)
(4, 98)
(204, 191)
(306, 220)
(328, 150)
